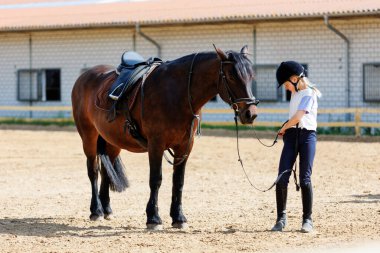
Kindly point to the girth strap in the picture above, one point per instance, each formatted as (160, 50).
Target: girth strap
(130, 124)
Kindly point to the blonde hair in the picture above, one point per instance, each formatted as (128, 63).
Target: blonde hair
(311, 85)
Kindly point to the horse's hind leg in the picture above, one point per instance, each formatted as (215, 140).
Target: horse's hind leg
(96, 206)
(104, 192)
(89, 139)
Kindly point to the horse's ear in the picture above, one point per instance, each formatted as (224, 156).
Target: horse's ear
(221, 54)
(244, 50)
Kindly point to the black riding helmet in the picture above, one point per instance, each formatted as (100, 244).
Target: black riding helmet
(288, 69)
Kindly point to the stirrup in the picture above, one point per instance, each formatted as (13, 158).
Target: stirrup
(113, 97)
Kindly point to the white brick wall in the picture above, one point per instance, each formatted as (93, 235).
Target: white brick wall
(179, 41)
(75, 50)
(14, 55)
(309, 42)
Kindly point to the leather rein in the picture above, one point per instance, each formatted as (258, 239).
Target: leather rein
(234, 104)
(232, 101)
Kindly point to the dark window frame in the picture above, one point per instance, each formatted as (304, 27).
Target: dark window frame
(48, 90)
(377, 65)
(40, 91)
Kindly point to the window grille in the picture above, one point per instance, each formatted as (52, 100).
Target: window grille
(371, 82)
(29, 86)
(39, 85)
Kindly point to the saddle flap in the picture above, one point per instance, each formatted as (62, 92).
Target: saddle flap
(126, 80)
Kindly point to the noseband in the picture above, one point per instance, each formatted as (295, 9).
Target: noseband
(232, 100)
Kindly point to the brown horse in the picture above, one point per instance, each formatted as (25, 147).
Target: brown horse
(166, 116)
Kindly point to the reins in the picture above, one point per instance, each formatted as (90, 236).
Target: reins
(274, 142)
(232, 101)
(234, 105)
(195, 117)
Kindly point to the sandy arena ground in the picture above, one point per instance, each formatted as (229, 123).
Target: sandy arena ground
(45, 197)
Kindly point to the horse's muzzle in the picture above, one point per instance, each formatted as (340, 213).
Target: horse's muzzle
(248, 115)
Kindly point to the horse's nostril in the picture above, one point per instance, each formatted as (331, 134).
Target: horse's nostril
(248, 114)
(254, 116)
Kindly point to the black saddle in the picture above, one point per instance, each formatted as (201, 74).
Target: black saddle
(131, 58)
(130, 70)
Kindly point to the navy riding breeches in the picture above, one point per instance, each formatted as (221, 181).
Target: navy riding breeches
(307, 140)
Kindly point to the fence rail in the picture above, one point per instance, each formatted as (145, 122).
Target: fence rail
(357, 112)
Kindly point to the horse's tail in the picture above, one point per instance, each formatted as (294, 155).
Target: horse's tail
(116, 171)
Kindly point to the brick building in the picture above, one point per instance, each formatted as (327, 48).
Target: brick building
(44, 47)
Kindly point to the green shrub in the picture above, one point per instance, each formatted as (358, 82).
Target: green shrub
(38, 122)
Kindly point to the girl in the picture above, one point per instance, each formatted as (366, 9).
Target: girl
(299, 135)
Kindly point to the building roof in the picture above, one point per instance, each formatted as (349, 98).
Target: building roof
(166, 12)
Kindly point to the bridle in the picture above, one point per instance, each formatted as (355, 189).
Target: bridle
(234, 103)
(232, 100)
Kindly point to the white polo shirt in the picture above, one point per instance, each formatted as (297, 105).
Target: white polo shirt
(305, 100)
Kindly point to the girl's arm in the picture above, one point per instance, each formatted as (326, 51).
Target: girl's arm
(292, 122)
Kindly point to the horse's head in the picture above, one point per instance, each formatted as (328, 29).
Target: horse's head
(235, 80)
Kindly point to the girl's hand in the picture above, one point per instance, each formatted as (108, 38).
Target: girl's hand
(282, 131)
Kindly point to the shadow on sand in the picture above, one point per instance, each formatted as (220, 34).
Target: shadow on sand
(364, 198)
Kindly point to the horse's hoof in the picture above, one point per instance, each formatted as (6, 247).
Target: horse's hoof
(154, 227)
(109, 216)
(95, 217)
(180, 225)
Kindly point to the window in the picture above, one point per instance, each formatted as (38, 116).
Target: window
(265, 84)
(39, 85)
(28, 85)
(52, 84)
(371, 82)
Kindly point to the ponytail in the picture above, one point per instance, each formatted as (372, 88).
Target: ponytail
(312, 86)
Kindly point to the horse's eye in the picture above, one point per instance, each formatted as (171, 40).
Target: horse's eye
(231, 75)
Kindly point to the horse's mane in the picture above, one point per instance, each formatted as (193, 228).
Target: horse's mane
(243, 65)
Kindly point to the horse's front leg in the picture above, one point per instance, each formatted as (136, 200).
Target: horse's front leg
(155, 178)
(179, 220)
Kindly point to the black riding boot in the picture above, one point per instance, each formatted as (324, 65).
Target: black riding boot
(307, 203)
(281, 196)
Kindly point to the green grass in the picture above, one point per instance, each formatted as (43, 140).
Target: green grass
(241, 127)
(347, 131)
(336, 130)
(38, 122)
(344, 131)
